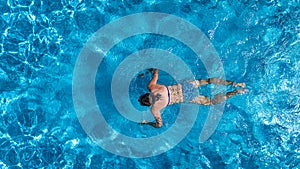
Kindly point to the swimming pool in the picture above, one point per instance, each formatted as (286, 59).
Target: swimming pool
(257, 42)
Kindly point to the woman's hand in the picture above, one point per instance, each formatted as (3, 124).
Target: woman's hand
(143, 122)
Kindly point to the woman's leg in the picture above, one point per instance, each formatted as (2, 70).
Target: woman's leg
(197, 83)
(203, 100)
(220, 98)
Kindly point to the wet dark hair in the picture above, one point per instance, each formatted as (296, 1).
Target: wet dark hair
(145, 99)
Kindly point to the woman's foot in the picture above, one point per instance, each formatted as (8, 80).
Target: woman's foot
(241, 91)
(242, 85)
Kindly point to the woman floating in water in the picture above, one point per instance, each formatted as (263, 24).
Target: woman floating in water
(161, 96)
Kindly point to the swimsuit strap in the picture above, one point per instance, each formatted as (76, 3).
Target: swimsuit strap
(168, 95)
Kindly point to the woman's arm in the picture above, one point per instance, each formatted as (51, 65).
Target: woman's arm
(154, 79)
(156, 114)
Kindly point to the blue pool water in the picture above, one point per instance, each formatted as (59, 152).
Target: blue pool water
(258, 43)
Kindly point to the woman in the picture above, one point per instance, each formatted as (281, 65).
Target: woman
(161, 96)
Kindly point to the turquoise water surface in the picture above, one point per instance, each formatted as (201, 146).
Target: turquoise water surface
(258, 43)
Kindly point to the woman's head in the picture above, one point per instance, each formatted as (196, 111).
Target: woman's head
(145, 99)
